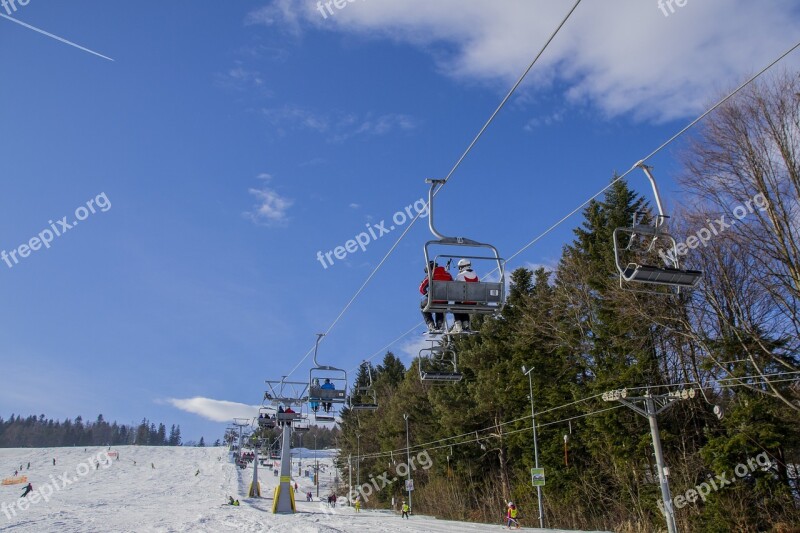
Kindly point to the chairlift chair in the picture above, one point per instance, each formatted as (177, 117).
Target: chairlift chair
(644, 241)
(365, 397)
(475, 298)
(439, 363)
(265, 419)
(288, 418)
(326, 384)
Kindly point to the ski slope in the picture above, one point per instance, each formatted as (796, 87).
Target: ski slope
(163, 492)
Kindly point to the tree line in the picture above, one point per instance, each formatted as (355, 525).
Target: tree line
(734, 340)
(40, 432)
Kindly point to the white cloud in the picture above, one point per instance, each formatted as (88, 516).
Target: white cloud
(241, 79)
(354, 206)
(337, 125)
(544, 121)
(277, 12)
(215, 410)
(271, 208)
(411, 347)
(536, 266)
(294, 117)
(622, 56)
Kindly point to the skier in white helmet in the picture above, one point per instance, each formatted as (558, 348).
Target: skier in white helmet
(465, 273)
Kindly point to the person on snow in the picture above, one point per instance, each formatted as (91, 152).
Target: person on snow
(358, 504)
(405, 510)
(236, 503)
(230, 500)
(465, 273)
(27, 491)
(16, 472)
(434, 321)
(327, 406)
(511, 515)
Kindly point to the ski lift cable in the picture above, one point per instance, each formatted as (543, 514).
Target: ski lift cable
(733, 378)
(660, 148)
(449, 175)
(646, 158)
(376, 354)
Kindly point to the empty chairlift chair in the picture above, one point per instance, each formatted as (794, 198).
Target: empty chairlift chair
(638, 248)
(364, 398)
(302, 425)
(439, 363)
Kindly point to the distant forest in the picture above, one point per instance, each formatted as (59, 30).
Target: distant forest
(38, 432)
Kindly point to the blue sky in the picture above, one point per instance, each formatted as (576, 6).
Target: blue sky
(233, 141)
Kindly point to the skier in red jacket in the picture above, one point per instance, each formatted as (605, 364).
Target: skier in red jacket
(434, 321)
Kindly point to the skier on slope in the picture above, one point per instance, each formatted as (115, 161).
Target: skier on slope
(405, 508)
(27, 491)
(511, 515)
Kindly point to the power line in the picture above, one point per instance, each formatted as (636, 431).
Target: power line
(447, 178)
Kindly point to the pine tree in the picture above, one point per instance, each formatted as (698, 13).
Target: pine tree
(161, 438)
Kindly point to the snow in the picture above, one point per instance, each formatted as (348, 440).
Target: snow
(161, 493)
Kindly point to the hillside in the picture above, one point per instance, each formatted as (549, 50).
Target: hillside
(156, 489)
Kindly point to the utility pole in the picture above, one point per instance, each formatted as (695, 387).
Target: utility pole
(408, 464)
(350, 477)
(358, 460)
(535, 444)
(316, 466)
(651, 407)
(255, 488)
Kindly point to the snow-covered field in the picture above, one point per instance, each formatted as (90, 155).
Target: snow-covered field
(163, 491)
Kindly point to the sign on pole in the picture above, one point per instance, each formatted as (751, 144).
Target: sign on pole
(409, 485)
(537, 477)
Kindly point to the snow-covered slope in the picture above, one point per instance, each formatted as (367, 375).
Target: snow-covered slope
(168, 489)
